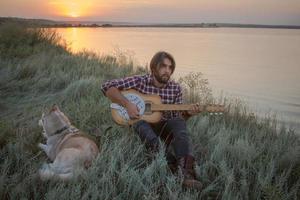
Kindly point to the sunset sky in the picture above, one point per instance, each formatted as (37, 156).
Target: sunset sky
(278, 12)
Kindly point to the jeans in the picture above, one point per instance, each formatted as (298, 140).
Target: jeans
(173, 132)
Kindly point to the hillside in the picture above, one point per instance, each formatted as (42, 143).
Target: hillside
(238, 156)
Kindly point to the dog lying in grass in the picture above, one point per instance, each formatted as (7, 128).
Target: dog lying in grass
(67, 147)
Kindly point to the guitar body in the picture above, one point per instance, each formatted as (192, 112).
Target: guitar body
(147, 115)
(150, 108)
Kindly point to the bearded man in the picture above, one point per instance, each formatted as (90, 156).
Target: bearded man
(172, 127)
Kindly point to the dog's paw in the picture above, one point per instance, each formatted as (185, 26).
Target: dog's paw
(43, 147)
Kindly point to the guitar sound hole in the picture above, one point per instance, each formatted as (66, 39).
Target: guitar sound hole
(148, 108)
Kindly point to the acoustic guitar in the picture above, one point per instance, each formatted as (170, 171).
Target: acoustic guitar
(150, 108)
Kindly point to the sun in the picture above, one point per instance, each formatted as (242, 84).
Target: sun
(72, 8)
(74, 15)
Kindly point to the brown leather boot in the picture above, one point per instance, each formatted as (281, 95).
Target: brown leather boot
(172, 162)
(186, 165)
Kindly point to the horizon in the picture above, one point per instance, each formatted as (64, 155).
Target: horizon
(145, 23)
(269, 12)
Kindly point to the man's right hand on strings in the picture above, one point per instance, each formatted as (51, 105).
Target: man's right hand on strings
(132, 111)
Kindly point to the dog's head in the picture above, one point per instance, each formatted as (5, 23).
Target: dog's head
(54, 121)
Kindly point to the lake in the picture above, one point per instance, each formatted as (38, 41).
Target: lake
(259, 66)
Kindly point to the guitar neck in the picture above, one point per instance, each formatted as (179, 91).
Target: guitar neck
(174, 107)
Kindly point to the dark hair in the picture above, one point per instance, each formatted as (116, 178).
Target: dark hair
(158, 59)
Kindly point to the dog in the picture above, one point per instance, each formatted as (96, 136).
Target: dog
(68, 148)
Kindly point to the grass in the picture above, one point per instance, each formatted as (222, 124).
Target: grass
(238, 156)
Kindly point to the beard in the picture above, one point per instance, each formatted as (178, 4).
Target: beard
(163, 79)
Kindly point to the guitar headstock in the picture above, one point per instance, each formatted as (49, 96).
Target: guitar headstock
(214, 109)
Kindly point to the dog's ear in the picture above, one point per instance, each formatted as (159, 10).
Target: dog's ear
(41, 120)
(45, 109)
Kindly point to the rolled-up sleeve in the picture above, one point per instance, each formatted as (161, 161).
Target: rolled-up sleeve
(121, 84)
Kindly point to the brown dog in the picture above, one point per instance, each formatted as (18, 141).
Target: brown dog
(68, 148)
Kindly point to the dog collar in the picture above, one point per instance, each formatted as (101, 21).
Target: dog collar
(60, 130)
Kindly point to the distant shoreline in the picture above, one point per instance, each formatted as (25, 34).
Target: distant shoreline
(43, 23)
(173, 26)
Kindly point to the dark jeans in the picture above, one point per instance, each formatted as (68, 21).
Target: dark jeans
(173, 132)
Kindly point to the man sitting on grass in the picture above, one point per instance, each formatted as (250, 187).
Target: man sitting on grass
(172, 127)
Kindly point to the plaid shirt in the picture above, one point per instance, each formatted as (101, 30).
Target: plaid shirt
(170, 94)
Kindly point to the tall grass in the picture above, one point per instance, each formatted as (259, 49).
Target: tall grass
(238, 156)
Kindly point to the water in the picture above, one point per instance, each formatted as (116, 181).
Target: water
(260, 66)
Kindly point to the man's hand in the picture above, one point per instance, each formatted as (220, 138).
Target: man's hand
(195, 110)
(132, 110)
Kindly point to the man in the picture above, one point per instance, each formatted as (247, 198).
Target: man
(172, 127)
